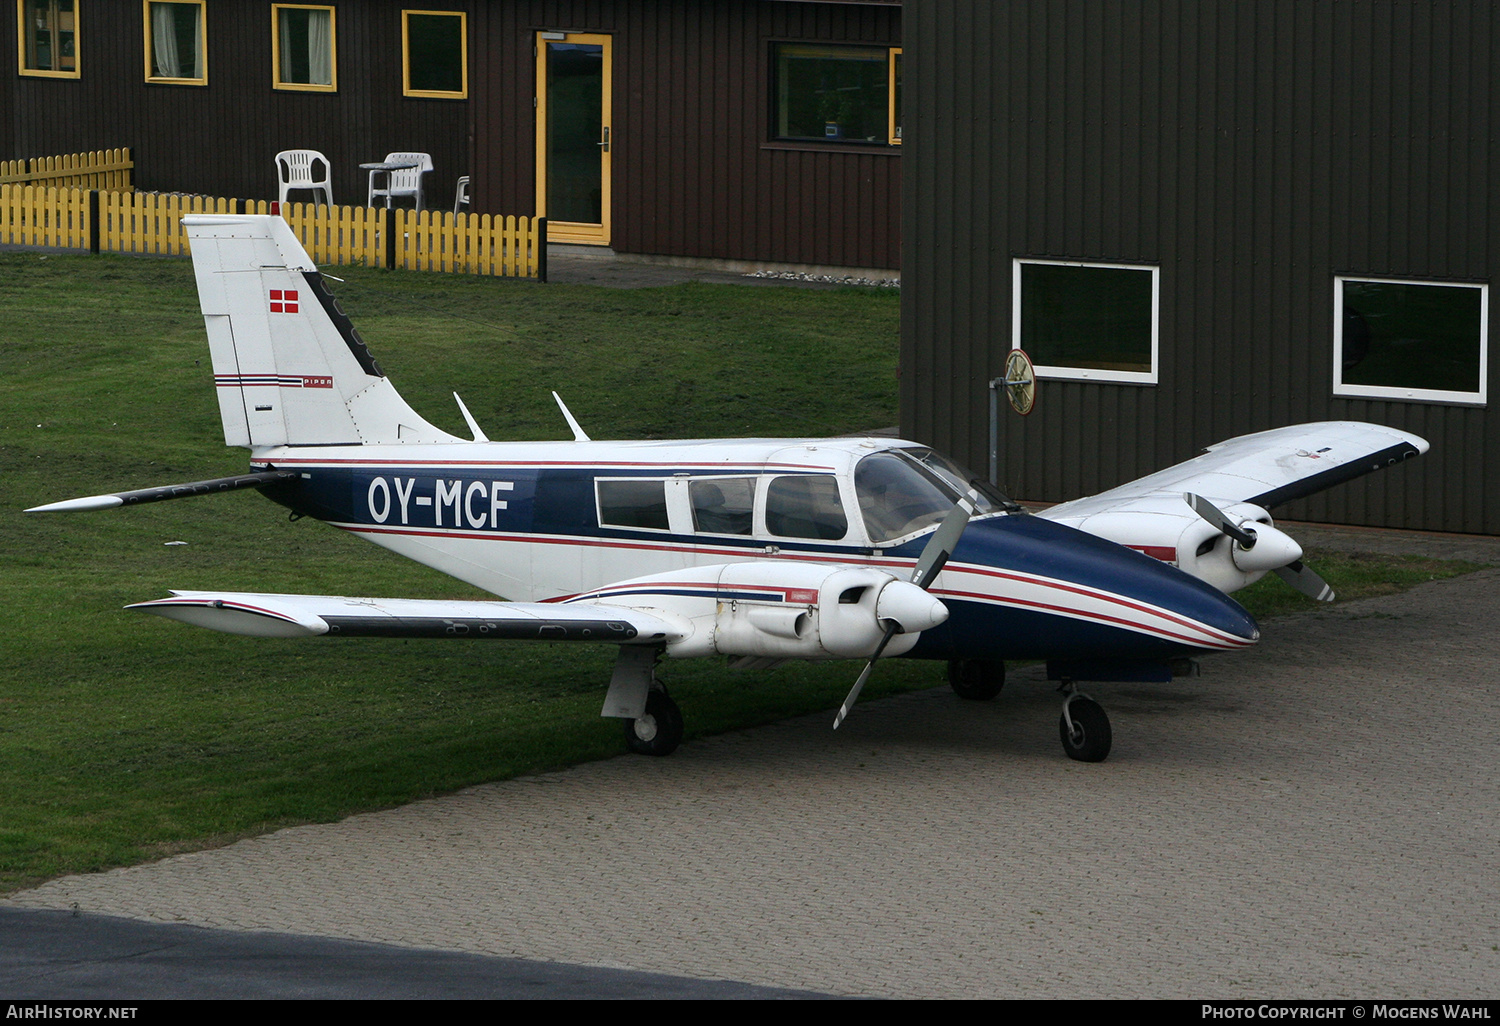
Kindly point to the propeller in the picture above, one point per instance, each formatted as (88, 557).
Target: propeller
(1277, 552)
(903, 611)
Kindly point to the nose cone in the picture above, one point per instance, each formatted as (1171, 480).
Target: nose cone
(910, 607)
(1021, 587)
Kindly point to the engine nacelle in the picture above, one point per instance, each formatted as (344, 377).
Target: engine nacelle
(783, 610)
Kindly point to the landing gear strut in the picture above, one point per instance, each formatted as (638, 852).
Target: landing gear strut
(657, 731)
(1083, 727)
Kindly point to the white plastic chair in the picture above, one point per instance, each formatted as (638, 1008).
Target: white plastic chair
(406, 182)
(295, 169)
(461, 195)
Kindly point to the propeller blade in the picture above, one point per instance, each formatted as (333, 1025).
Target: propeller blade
(934, 557)
(1208, 511)
(942, 543)
(1301, 577)
(859, 684)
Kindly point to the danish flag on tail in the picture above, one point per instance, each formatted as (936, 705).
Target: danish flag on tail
(288, 365)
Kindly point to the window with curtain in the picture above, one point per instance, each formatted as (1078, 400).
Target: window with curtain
(304, 55)
(174, 42)
(48, 38)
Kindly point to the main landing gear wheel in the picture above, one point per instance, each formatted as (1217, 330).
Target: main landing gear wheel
(657, 731)
(1084, 729)
(978, 680)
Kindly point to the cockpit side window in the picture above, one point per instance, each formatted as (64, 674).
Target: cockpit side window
(898, 497)
(723, 505)
(806, 506)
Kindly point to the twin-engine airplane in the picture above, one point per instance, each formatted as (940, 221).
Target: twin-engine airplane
(759, 550)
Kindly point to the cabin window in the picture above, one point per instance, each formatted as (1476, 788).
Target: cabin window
(48, 38)
(1414, 340)
(174, 42)
(303, 57)
(806, 506)
(434, 54)
(833, 93)
(633, 502)
(723, 505)
(1089, 322)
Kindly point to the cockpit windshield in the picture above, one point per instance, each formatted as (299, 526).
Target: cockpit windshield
(902, 491)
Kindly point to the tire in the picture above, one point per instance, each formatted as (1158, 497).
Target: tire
(1091, 738)
(658, 731)
(977, 680)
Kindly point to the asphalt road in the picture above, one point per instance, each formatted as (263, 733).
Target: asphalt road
(1314, 818)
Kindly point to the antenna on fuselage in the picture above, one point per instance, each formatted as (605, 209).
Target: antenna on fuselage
(578, 435)
(479, 436)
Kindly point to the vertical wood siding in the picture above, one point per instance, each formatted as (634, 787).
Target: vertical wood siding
(1252, 149)
(222, 138)
(694, 172)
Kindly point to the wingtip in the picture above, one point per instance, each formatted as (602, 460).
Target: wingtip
(88, 502)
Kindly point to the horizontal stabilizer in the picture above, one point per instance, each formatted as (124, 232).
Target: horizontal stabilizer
(177, 491)
(305, 616)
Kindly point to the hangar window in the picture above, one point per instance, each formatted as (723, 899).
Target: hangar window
(303, 56)
(806, 506)
(833, 93)
(174, 42)
(49, 38)
(434, 54)
(1089, 322)
(1414, 340)
(633, 502)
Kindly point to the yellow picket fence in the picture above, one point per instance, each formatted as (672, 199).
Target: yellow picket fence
(135, 222)
(97, 169)
(34, 215)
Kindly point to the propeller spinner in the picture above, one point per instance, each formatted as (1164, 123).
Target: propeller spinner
(1259, 547)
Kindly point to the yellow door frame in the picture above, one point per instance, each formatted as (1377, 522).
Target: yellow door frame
(573, 231)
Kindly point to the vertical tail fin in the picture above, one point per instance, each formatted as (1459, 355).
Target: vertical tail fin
(289, 367)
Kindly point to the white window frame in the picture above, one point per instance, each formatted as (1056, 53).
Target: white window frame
(1430, 395)
(1087, 373)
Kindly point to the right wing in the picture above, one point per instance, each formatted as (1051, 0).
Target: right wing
(305, 616)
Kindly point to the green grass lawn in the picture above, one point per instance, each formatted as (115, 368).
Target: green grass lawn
(125, 737)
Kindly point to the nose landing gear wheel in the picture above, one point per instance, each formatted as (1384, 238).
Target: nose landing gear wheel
(977, 680)
(657, 731)
(1084, 729)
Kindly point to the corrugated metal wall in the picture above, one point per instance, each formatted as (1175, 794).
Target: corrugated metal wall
(1252, 149)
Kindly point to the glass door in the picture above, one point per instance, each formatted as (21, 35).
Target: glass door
(573, 135)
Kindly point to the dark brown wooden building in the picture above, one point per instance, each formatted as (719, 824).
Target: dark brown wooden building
(1204, 218)
(743, 130)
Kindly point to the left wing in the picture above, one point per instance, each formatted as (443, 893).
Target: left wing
(1242, 477)
(306, 616)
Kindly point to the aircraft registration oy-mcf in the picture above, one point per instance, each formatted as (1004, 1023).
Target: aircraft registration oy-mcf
(757, 550)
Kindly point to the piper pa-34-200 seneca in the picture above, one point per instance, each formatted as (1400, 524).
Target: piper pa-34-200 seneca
(758, 550)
